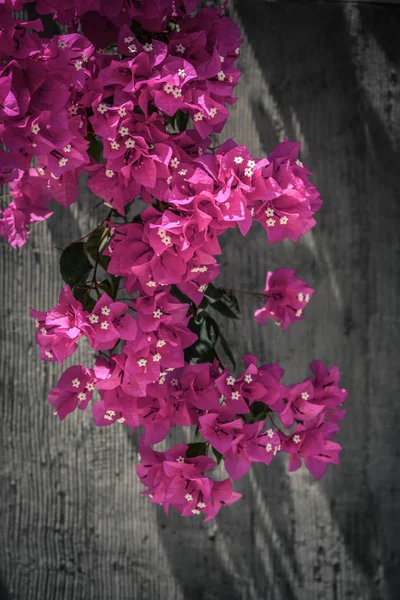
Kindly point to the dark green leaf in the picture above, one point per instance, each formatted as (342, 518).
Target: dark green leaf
(81, 293)
(106, 286)
(175, 291)
(225, 310)
(95, 149)
(74, 264)
(213, 294)
(209, 330)
(92, 243)
(259, 411)
(181, 120)
(227, 349)
(197, 449)
(217, 455)
(96, 243)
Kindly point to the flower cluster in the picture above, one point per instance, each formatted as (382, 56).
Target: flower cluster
(132, 96)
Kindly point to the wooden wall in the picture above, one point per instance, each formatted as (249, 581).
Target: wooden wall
(72, 523)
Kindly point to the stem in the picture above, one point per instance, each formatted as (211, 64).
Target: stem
(260, 294)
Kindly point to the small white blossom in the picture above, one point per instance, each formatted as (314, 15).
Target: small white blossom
(174, 162)
(122, 111)
(78, 65)
(182, 73)
(94, 319)
(62, 44)
(212, 112)
(248, 378)
(221, 76)
(35, 128)
(157, 314)
(180, 49)
(104, 325)
(90, 386)
(270, 433)
(183, 172)
(201, 505)
(49, 354)
(238, 160)
(296, 439)
(230, 380)
(248, 172)
(195, 511)
(114, 145)
(269, 212)
(299, 312)
(235, 395)
(161, 343)
(180, 460)
(81, 396)
(198, 116)
(148, 47)
(177, 92)
(67, 148)
(123, 131)
(299, 163)
(305, 395)
(168, 88)
(76, 383)
(270, 222)
(189, 497)
(300, 297)
(268, 447)
(109, 173)
(202, 288)
(283, 220)
(157, 357)
(62, 162)
(142, 362)
(130, 143)
(128, 39)
(132, 48)
(102, 108)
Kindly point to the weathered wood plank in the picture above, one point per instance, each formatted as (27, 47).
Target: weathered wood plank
(73, 523)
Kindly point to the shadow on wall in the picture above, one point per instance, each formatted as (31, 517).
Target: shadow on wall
(250, 551)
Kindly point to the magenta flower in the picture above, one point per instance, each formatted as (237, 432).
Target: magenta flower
(314, 445)
(286, 296)
(74, 390)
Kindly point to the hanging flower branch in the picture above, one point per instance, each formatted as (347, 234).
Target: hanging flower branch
(130, 96)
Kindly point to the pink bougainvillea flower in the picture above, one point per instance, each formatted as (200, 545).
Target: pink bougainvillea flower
(73, 390)
(286, 298)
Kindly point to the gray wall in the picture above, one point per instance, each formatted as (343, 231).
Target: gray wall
(72, 523)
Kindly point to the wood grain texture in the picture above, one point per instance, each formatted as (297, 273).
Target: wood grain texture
(73, 526)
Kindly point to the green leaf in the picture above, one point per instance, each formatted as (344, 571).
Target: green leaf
(227, 349)
(74, 264)
(213, 294)
(225, 310)
(175, 291)
(95, 149)
(181, 120)
(259, 411)
(217, 455)
(95, 244)
(82, 294)
(196, 449)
